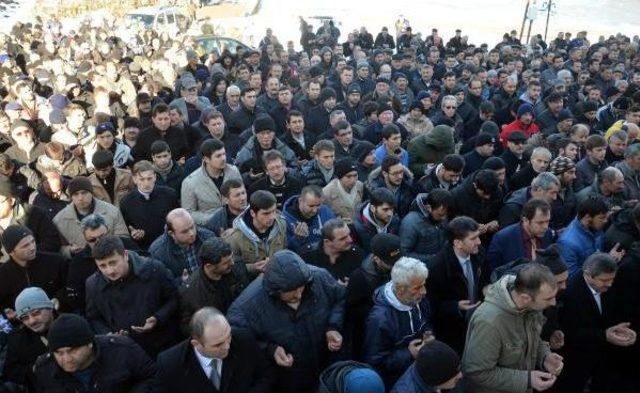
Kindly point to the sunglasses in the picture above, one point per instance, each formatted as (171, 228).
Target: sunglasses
(450, 107)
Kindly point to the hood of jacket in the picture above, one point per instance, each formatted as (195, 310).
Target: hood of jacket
(518, 197)
(441, 138)
(384, 296)
(240, 223)
(499, 294)
(285, 271)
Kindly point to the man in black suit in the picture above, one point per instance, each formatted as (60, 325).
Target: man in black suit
(214, 359)
(456, 279)
(588, 327)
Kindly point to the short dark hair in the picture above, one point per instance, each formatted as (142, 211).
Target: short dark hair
(229, 185)
(460, 227)
(599, 263)
(158, 147)
(388, 162)
(159, 108)
(210, 146)
(369, 108)
(594, 141)
(312, 189)
(261, 200)
(592, 206)
(106, 246)
(330, 226)
(246, 90)
(532, 206)
(340, 125)
(272, 155)
(380, 196)
(453, 162)
(531, 277)
(487, 181)
(293, 113)
(131, 122)
(389, 130)
(439, 198)
(213, 250)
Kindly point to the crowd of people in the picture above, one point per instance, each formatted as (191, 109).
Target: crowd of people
(364, 215)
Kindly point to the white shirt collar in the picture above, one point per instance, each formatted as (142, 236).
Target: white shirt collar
(205, 363)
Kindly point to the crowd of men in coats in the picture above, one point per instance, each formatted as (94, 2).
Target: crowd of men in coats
(389, 215)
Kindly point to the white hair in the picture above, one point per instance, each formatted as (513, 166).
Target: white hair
(407, 269)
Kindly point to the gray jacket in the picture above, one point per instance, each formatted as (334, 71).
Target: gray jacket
(420, 236)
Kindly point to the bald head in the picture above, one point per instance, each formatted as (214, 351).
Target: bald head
(181, 227)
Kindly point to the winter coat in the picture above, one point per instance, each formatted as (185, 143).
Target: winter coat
(631, 180)
(301, 332)
(468, 203)
(447, 285)
(120, 366)
(577, 243)
(173, 179)
(165, 250)
(507, 245)
(122, 184)
(512, 163)
(416, 127)
(247, 246)
(390, 327)
(404, 194)
(248, 153)
(312, 174)
(302, 153)
(23, 348)
(511, 210)
(420, 236)
(586, 173)
(503, 343)
(317, 119)
(147, 291)
(200, 291)
(504, 103)
(47, 271)
(202, 103)
(68, 223)
(342, 203)
(292, 216)
(364, 228)
(517, 125)
(623, 230)
(430, 148)
(430, 181)
(200, 195)
(175, 138)
(456, 123)
(148, 215)
(292, 186)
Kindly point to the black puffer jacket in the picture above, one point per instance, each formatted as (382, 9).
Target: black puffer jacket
(623, 230)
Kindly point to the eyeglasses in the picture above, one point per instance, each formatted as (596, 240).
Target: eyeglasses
(450, 107)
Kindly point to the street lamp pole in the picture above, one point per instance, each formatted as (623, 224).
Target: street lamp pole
(524, 19)
(546, 27)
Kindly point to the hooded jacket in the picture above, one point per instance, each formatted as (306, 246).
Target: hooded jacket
(332, 379)
(247, 246)
(430, 148)
(404, 194)
(365, 228)
(292, 215)
(248, 153)
(517, 125)
(421, 236)
(300, 332)
(122, 184)
(503, 343)
(577, 243)
(390, 327)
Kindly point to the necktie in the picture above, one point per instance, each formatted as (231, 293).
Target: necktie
(214, 377)
(598, 300)
(468, 273)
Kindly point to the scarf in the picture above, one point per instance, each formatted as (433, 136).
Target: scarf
(163, 172)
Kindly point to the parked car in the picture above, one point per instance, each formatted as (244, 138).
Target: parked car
(211, 43)
(161, 19)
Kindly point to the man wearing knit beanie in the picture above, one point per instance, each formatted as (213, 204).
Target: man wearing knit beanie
(75, 353)
(82, 204)
(437, 367)
(28, 267)
(36, 312)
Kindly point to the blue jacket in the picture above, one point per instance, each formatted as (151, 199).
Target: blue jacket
(165, 250)
(507, 245)
(389, 329)
(577, 243)
(421, 236)
(381, 153)
(292, 216)
(410, 382)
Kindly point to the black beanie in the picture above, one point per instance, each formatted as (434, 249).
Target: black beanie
(79, 183)
(102, 159)
(344, 166)
(12, 236)
(437, 363)
(362, 149)
(263, 123)
(551, 258)
(69, 330)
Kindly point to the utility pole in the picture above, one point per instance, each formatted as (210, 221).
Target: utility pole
(524, 18)
(549, 4)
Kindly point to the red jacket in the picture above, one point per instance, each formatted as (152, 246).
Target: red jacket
(517, 125)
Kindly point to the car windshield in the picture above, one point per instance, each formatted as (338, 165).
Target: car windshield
(147, 20)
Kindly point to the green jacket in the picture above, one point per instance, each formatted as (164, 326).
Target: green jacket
(503, 343)
(430, 148)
